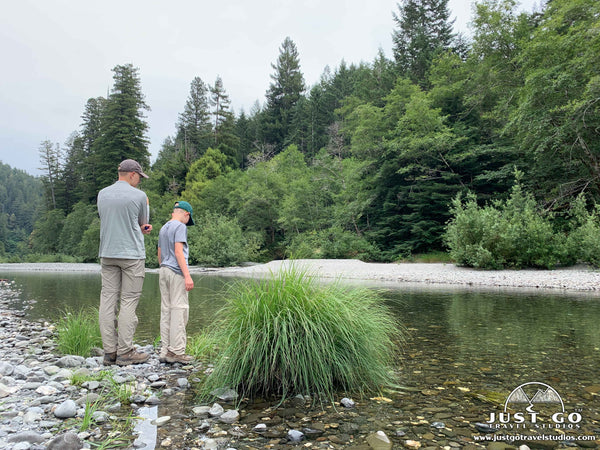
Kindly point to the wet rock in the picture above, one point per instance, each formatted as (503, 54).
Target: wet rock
(347, 403)
(216, 410)
(230, 416)
(260, 428)
(159, 421)
(225, 394)
(379, 441)
(295, 436)
(201, 411)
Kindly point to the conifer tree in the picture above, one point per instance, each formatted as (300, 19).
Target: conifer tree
(122, 126)
(423, 31)
(283, 95)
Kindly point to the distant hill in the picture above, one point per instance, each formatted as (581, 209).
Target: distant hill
(21, 201)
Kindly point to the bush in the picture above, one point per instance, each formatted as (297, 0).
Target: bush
(583, 243)
(287, 335)
(512, 234)
(333, 242)
(78, 332)
(218, 241)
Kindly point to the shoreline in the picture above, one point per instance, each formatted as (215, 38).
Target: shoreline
(577, 279)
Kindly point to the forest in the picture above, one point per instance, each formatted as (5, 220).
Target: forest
(370, 162)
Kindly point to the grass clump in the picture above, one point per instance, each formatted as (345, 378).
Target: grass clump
(288, 334)
(78, 332)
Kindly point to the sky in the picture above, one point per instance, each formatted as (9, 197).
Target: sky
(56, 54)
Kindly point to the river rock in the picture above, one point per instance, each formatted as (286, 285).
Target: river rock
(347, 403)
(216, 410)
(230, 416)
(296, 436)
(67, 441)
(379, 441)
(66, 409)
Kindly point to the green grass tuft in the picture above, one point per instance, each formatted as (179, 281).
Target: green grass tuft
(78, 332)
(288, 334)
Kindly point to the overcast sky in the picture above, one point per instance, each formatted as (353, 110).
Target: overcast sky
(56, 54)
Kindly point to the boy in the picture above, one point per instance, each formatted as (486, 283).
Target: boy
(175, 283)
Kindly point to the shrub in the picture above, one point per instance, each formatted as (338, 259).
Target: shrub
(218, 241)
(287, 334)
(514, 233)
(583, 242)
(333, 242)
(78, 332)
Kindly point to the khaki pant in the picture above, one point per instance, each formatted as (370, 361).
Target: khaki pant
(174, 312)
(122, 282)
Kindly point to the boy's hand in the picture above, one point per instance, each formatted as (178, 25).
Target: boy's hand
(189, 283)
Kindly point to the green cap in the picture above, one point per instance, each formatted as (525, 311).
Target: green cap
(186, 207)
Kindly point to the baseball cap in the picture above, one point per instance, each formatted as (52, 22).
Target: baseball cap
(186, 207)
(130, 165)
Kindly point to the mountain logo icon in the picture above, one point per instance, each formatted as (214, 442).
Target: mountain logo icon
(534, 393)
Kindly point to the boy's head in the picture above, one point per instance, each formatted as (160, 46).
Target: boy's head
(184, 210)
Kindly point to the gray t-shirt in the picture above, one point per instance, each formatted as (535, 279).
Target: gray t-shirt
(122, 209)
(171, 232)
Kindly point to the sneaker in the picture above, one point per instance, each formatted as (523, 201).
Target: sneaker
(172, 358)
(132, 357)
(110, 358)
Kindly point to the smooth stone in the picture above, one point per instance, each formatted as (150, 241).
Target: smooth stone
(295, 436)
(159, 421)
(347, 403)
(224, 394)
(67, 441)
(26, 436)
(216, 410)
(379, 441)
(201, 410)
(230, 416)
(66, 409)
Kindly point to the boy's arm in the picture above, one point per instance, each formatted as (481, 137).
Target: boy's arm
(189, 283)
(159, 256)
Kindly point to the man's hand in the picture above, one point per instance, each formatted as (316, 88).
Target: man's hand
(189, 283)
(146, 228)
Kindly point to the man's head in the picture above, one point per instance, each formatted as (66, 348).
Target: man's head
(186, 209)
(131, 171)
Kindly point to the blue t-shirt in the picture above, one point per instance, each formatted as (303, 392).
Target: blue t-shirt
(173, 231)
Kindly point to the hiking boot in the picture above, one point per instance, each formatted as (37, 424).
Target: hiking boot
(162, 358)
(172, 358)
(132, 357)
(110, 358)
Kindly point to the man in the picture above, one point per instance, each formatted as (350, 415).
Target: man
(124, 217)
(175, 283)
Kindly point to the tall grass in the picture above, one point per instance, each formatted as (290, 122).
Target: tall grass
(288, 334)
(78, 332)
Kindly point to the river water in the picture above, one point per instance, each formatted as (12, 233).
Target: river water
(466, 349)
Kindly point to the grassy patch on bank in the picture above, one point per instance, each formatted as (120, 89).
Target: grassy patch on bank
(78, 332)
(289, 334)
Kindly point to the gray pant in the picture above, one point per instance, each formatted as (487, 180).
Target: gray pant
(122, 281)
(174, 312)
